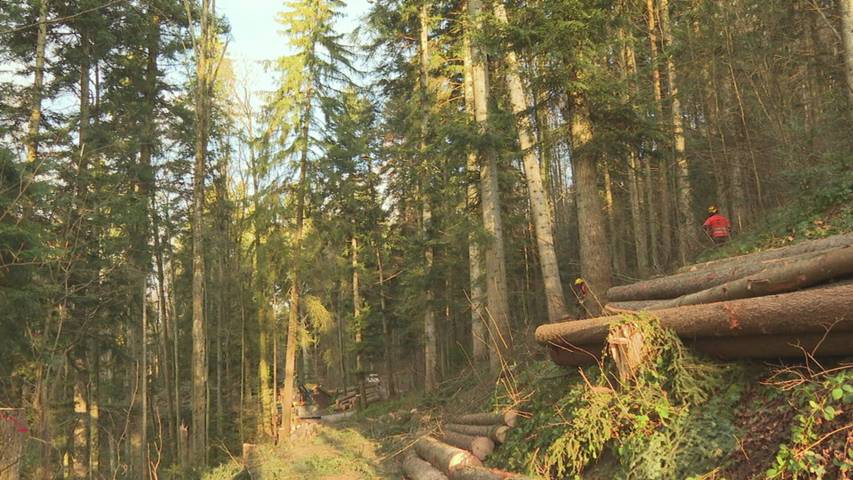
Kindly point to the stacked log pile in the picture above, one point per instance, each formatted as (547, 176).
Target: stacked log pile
(350, 398)
(784, 302)
(458, 450)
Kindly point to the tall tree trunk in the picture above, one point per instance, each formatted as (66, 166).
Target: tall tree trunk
(847, 37)
(496, 315)
(595, 260)
(38, 84)
(475, 260)
(659, 222)
(198, 433)
(540, 208)
(295, 294)
(430, 338)
(356, 303)
(143, 385)
(687, 227)
(386, 328)
(616, 253)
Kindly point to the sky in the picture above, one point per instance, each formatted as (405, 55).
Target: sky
(255, 32)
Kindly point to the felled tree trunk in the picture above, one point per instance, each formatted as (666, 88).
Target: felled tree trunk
(766, 347)
(673, 286)
(776, 253)
(478, 473)
(480, 447)
(416, 468)
(443, 456)
(783, 277)
(508, 418)
(495, 432)
(805, 311)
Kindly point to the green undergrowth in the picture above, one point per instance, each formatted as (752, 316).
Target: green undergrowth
(824, 208)
(674, 420)
(333, 453)
(817, 446)
(681, 417)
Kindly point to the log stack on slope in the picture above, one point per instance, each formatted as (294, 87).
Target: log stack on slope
(460, 448)
(773, 304)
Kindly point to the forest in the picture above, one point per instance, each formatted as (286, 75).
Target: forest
(181, 250)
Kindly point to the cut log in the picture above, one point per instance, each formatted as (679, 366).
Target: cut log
(443, 456)
(776, 253)
(760, 347)
(481, 447)
(770, 347)
(508, 418)
(479, 473)
(495, 432)
(416, 468)
(673, 286)
(806, 311)
(780, 278)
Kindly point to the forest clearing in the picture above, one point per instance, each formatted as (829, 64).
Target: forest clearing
(426, 239)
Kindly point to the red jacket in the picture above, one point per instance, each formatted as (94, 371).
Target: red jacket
(717, 226)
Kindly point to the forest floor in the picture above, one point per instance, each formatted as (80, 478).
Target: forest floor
(326, 452)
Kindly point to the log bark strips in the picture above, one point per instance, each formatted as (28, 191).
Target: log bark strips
(479, 473)
(495, 432)
(416, 468)
(672, 286)
(798, 273)
(443, 456)
(776, 253)
(480, 447)
(508, 418)
(805, 311)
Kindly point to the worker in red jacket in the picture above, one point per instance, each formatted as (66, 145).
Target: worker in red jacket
(716, 226)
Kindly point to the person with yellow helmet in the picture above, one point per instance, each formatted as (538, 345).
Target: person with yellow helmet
(717, 226)
(581, 290)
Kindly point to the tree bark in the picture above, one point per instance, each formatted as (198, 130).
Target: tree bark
(539, 205)
(718, 273)
(847, 36)
(806, 311)
(508, 418)
(38, 85)
(470, 472)
(595, 260)
(662, 235)
(687, 226)
(496, 314)
(495, 432)
(198, 433)
(416, 468)
(443, 456)
(480, 447)
(781, 277)
(799, 248)
(13, 436)
(480, 347)
(293, 314)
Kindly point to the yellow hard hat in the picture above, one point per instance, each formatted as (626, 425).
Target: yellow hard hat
(712, 209)
(579, 281)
